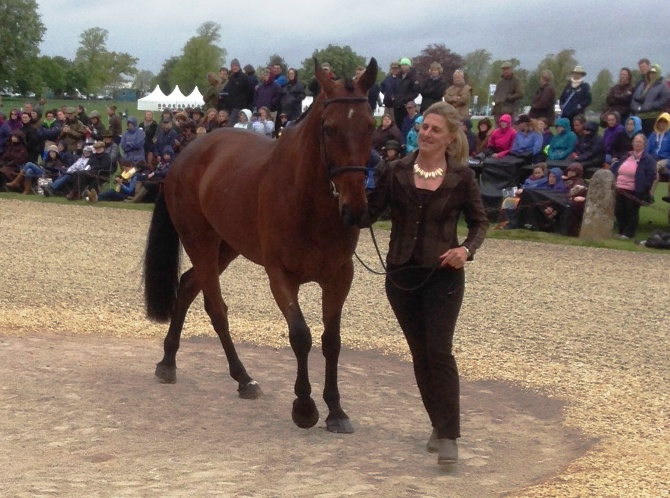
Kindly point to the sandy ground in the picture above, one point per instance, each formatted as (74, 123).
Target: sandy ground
(563, 354)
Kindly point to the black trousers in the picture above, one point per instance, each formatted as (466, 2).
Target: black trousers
(627, 212)
(427, 317)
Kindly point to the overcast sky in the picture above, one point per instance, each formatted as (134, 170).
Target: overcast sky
(605, 34)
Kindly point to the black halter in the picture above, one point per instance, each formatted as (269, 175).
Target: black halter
(332, 170)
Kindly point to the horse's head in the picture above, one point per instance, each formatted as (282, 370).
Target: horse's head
(346, 138)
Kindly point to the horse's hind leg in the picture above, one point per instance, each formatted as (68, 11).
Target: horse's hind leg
(166, 369)
(335, 292)
(304, 413)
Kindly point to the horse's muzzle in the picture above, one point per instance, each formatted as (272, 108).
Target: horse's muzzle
(351, 216)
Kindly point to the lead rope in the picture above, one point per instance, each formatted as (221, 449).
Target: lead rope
(392, 272)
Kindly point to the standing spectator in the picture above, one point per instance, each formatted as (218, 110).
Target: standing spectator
(114, 124)
(635, 175)
(432, 89)
(650, 99)
(250, 71)
(95, 129)
(408, 123)
(150, 128)
(314, 86)
(267, 93)
(620, 96)
(544, 99)
(132, 142)
(388, 86)
(239, 91)
(223, 81)
(508, 92)
(81, 115)
(5, 132)
(72, 130)
(373, 92)
(278, 74)
(292, 95)
(407, 89)
(459, 95)
(211, 96)
(576, 96)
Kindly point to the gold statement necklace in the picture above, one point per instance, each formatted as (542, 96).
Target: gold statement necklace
(427, 175)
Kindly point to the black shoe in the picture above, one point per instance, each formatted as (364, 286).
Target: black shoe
(666, 198)
(447, 452)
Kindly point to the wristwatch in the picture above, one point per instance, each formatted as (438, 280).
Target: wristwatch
(467, 251)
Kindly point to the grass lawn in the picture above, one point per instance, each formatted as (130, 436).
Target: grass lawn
(130, 107)
(653, 217)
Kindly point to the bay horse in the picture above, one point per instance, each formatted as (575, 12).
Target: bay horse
(291, 205)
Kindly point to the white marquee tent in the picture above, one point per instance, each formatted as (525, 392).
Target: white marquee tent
(157, 100)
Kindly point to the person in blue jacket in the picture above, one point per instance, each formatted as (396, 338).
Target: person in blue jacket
(576, 96)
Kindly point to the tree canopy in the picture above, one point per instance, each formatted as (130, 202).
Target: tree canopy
(342, 60)
(200, 55)
(19, 45)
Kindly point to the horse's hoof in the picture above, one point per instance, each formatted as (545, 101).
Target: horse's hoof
(305, 414)
(166, 375)
(339, 425)
(250, 391)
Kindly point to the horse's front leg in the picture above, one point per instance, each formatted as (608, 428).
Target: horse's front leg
(285, 291)
(335, 291)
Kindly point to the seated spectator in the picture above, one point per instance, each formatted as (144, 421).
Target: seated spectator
(187, 136)
(539, 208)
(53, 165)
(408, 121)
(502, 138)
(222, 119)
(64, 183)
(576, 192)
(459, 95)
(563, 143)
(33, 142)
(132, 141)
(166, 135)
(612, 130)
(210, 123)
(466, 127)
(26, 178)
(484, 130)
(541, 125)
(537, 179)
(635, 175)
(14, 157)
(391, 151)
(72, 131)
(196, 116)
(412, 142)
(81, 115)
(123, 185)
(68, 158)
(623, 142)
(589, 151)
(282, 122)
(386, 131)
(658, 146)
(262, 122)
(5, 132)
(147, 186)
(14, 120)
(49, 130)
(244, 119)
(527, 142)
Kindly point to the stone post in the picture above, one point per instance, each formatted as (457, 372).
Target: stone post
(598, 218)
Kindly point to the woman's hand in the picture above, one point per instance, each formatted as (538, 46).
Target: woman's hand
(455, 258)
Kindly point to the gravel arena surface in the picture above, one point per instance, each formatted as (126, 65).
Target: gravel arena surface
(563, 354)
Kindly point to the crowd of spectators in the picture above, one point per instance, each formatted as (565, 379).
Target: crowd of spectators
(65, 146)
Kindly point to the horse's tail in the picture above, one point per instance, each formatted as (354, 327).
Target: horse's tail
(162, 261)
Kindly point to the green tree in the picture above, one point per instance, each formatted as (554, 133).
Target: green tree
(477, 65)
(449, 60)
(103, 69)
(53, 73)
(21, 31)
(561, 64)
(165, 74)
(342, 60)
(144, 81)
(200, 55)
(599, 90)
(27, 77)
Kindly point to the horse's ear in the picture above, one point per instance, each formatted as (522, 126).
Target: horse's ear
(369, 77)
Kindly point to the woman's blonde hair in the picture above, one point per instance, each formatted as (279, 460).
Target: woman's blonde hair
(458, 150)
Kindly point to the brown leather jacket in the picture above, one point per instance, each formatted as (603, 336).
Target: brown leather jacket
(425, 228)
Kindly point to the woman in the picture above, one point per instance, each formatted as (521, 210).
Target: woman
(386, 131)
(612, 131)
(620, 95)
(114, 124)
(95, 127)
(264, 125)
(209, 123)
(484, 130)
(623, 142)
(211, 96)
(502, 138)
(292, 95)
(427, 191)
(13, 157)
(459, 94)
(222, 119)
(33, 142)
(635, 175)
(544, 99)
(432, 90)
(14, 120)
(563, 143)
(132, 142)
